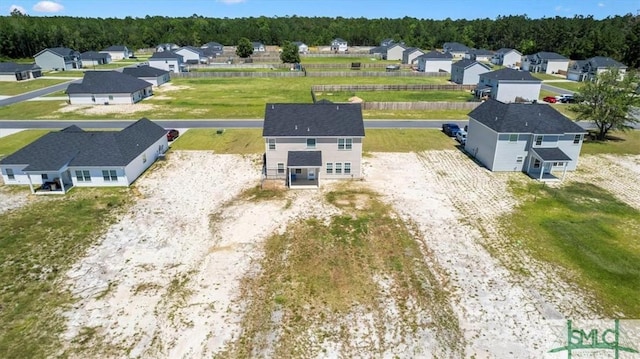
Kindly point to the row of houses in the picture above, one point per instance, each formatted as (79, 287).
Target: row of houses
(304, 144)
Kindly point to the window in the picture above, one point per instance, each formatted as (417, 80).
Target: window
(311, 143)
(272, 143)
(538, 140)
(110, 97)
(345, 143)
(536, 163)
(519, 159)
(144, 158)
(83, 176)
(347, 168)
(329, 168)
(280, 168)
(109, 175)
(44, 176)
(298, 171)
(513, 137)
(10, 174)
(338, 168)
(576, 139)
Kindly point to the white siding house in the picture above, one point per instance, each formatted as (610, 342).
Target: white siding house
(10, 71)
(434, 61)
(545, 62)
(532, 138)
(339, 45)
(118, 52)
(168, 61)
(467, 72)
(108, 87)
(192, 55)
(154, 76)
(587, 70)
(507, 57)
(394, 52)
(410, 55)
(508, 85)
(307, 142)
(60, 160)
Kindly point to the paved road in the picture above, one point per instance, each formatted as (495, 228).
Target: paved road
(37, 93)
(257, 123)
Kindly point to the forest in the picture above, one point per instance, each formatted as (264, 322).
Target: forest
(577, 37)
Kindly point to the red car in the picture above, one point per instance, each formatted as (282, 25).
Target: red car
(550, 99)
(172, 134)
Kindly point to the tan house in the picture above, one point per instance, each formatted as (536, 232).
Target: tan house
(307, 142)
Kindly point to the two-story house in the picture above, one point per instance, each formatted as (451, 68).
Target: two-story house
(456, 49)
(215, 47)
(395, 51)
(508, 85)
(467, 72)
(302, 47)
(58, 59)
(307, 142)
(545, 62)
(410, 55)
(118, 52)
(192, 55)
(532, 138)
(339, 45)
(507, 57)
(434, 61)
(258, 46)
(587, 70)
(479, 55)
(167, 60)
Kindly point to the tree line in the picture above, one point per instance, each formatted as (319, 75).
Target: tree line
(576, 37)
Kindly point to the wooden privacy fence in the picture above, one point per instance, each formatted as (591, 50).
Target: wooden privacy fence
(421, 105)
(203, 74)
(237, 74)
(416, 87)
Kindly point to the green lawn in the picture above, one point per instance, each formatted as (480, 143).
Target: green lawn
(406, 140)
(399, 96)
(10, 144)
(16, 88)
(33, 110)
(542, 76)
(74, 73)
(38, 245)
(571, 85)
(620, 143)
(112, 65)
(345, 60)
(589, 233)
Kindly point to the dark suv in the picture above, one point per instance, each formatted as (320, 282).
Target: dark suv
(172, 134)
(450, 129)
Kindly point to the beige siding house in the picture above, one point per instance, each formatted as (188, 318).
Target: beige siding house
(308, 142)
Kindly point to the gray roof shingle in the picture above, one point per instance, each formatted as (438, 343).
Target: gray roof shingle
(466, 63)
(304, 159)
(605, 62)
(550, 55)
(166, 55)
(93, 55)
(436, 55)
(455, 46)
(144, 71)
(533, 118)
(313, 120)
(551, 154)
(116, 48)
(74, 147)
(12, 67)
(107, 82)
(508, 74)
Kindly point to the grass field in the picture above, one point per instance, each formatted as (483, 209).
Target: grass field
(345, 60)
(542, 76)
(16, 88)
(74, 73)
(233, 141)
(399, 96)
(620, 143)
(571, 86)
(585, 230)
(10, 144)
(38, 244)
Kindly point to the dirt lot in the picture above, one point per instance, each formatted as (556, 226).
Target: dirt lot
(164, 283)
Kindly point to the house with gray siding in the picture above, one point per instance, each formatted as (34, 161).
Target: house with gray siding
(530, 137)
(108, 88)
(479, 55)
(434, 61)
(308, 142)
(58, 59)
(507, 57)
(467, 72)
(339, 45)
(92, 58)
(395, 51)
(508, 85)
(10, 71)
(545, 62)
(118, 52)
(61, 160)
(154, 76)
(216, 47)
(193, 55)
(411, 54)
(168, 61)
(587, 70)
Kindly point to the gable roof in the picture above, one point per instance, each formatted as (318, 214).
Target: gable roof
(403, 46)
(466, 63)
(339, 40)
(605, 62)
(74, 147)
(257, 44)
(212, 44)
(166, 55)
(455, 46)
(107, 82)
(116, 48)
(313, 120)
(436, 55)
(505, 50)
(60, 51)
(481, 52)
(536, 118)
(304, 159)
(12, 67)
(92, 55)
(550, 56)
(508, 74)
(144, 71)
(411, 50)
(378, 50)
(298, 43)
(195, 50)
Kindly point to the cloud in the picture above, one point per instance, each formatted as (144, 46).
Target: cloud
(231, 2)
(17, 7)
(601, 4)
(48, 6)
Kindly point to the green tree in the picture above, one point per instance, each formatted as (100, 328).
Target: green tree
(607, 101)
(245, 48)
(289, 54)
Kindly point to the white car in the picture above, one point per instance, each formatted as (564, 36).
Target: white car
(461, 136)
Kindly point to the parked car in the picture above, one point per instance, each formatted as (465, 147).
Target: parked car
(450, 129)
(565, 98)
(550, 99)
(172, 134)
(461, 136)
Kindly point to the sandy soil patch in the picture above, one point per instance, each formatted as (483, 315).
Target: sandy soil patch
(167, 87)
(107, 109)
(10, 199)
(617, 174)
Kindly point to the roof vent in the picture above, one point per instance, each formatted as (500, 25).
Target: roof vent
(308, 129)
(296, 127)
(526, 124)
(337, 107)
(272, 107)
(496, 118)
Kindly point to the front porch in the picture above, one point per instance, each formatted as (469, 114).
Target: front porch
(303, 169)
(545, 163)
(50, 183)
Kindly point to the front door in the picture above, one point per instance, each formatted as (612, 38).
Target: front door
(547, 167)
(311, 174)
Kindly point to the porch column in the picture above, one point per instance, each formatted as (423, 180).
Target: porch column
(564, 170)
(60, 175)
(541, 169)
(289, 177)
(31, 184)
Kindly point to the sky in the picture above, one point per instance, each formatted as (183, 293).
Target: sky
(422, 9)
